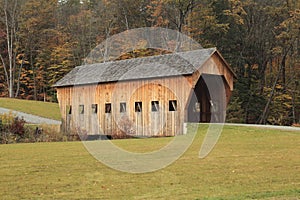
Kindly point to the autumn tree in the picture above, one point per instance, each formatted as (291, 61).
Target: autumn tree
(41, 41)
(38, 38)
(9, 18)
(287, 53)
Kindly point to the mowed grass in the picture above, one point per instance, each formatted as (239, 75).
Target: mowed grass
(39, 108)
(246, 163)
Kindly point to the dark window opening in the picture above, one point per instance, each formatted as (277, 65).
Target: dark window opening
(69, 110)
(95, 108)
(81, 109)
(138, 107)
(122, 107)
(108, 108)
(155, 106)
(173, 105)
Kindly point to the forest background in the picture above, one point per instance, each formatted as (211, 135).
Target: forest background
(41, 41)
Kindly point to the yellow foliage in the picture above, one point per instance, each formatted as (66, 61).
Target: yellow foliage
(255, 66)
(7, 118)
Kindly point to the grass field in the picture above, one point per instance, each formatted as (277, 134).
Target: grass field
(247, 163)
(39, 108)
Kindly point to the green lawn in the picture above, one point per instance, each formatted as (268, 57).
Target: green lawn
(39, 108)
(247, 163)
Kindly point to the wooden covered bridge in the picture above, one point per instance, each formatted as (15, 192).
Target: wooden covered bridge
(149, 96)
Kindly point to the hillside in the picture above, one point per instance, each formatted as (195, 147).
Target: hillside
(247, 163)
(42, 109)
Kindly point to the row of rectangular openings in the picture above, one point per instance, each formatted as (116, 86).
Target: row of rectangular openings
(138, 107)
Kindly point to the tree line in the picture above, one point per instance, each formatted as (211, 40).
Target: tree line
(40, 41)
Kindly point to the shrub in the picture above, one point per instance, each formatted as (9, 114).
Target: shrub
(48, 133)
(7, 118)
(79, 134)
(126, 129)
(12, 128)
(17, 126)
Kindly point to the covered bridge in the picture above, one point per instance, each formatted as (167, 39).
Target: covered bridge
(149, 96)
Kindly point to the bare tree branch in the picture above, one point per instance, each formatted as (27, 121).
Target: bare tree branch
(5, 70)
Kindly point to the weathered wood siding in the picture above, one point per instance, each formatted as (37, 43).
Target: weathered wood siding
(146, 123)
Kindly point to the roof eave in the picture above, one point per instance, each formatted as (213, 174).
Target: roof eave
(127, 80)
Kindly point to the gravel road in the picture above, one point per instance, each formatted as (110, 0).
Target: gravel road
(289, 128)
(31, 119)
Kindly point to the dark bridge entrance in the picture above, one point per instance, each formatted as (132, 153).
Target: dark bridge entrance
(208, 101)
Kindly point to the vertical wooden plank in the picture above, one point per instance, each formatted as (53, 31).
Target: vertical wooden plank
(100, 101)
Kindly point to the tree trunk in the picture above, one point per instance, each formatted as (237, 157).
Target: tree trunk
(18, 81)
(283, 75)
(5, 70)
(293, 107)
(10, 26)
(33, 76)
(9, 50)
(266, 109)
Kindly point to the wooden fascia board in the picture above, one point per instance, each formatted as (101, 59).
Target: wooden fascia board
(225, 63)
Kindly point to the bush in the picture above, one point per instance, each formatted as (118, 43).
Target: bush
(17, 127)
(12, 128)
(15, 130)
(126, 129)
